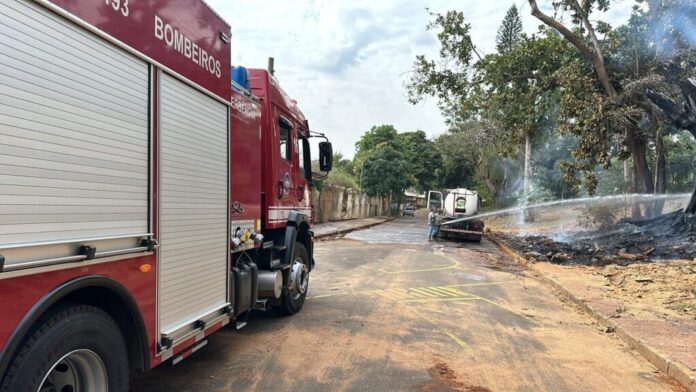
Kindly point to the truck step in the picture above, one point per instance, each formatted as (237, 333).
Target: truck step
(275, 263)
(239, 325)
(279, 248)
(261, 304)
(268, 245)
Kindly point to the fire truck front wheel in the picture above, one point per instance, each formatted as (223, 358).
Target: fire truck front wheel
(75, 348)
(298, 282)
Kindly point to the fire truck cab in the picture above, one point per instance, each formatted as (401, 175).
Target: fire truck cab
(150, 193)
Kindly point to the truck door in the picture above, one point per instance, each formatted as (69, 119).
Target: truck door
(284, 196)
(435, 199)
(302, 173)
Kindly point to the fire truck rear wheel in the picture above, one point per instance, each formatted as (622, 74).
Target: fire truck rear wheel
(298, 282)
(75, 348)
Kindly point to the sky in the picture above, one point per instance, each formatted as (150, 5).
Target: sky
(346, 62)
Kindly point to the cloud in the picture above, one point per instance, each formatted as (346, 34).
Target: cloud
(363, 31)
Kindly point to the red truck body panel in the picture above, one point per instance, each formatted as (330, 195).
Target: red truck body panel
(19, 294)
(165, 31)
(245, 158)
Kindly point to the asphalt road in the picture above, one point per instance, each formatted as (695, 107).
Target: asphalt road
(389, 311)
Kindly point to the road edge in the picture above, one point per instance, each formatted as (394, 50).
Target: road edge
(675, 370)
(350, 229)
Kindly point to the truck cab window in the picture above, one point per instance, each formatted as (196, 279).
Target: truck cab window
(303, 155)
(284, 127)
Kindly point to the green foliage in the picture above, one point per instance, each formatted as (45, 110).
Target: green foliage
(449, 84)
(342, 173)
(460, 153)
(345, 165)
(535, 194)
(389, 162)
(680, 162)
(339, 176)
(377, 136)
(510, 31)
(598, 216)
(385, 171)
(611, 180)
(485, 193)
(424, 158)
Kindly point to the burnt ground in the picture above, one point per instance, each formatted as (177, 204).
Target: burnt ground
(389, 311)
(623, 244)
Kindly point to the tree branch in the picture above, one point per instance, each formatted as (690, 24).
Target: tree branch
(569, 35)
(590, 30)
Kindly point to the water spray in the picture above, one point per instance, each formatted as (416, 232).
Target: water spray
(636, 198)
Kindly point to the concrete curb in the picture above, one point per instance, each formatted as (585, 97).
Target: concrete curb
(675, 370)
(349, 229)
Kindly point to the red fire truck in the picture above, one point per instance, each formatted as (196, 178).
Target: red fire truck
(146, 201)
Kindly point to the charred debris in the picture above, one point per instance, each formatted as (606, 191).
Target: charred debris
(627, 243)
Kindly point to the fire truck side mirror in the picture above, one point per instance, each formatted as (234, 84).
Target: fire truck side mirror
(325, 156)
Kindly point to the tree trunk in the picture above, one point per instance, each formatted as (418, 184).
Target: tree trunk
(503, 187)
(640, 162)
(626, 172)
(691, 208)
(528, 216)
(660, 173)
(635, 210)
(527, 161)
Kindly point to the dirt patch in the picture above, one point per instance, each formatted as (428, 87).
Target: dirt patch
(668, 288)
(497, 262)
(445, 379)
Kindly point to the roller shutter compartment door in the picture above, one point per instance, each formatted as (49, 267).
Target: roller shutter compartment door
(73, 133)
(193, 204)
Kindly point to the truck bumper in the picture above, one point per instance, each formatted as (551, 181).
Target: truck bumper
(470, 230)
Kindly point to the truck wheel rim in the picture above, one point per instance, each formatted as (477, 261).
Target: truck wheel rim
(77, 371)
(299, 278)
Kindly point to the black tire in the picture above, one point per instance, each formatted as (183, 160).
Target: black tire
(292, 303)
(65, 330)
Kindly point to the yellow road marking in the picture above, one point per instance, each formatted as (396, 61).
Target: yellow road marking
(439, 299)
(423, 291)
(399, 294)
(440, 293)
(478, 284)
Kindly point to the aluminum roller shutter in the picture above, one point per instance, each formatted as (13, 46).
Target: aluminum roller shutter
(73, 132)
(193, 204)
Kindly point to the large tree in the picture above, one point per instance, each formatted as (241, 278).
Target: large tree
(383, 163)
(584, 34)
(424, 157)
(510, 31)
(506, 91)
(385, 172)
